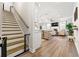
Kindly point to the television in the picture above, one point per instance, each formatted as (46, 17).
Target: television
(54, 24)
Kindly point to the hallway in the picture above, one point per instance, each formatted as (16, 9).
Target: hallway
(57, 47)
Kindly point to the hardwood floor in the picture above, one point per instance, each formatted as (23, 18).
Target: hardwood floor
(57, 46)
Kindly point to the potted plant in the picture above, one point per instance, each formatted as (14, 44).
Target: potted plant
(69, 27)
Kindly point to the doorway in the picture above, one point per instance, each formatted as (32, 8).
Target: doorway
(7, 6)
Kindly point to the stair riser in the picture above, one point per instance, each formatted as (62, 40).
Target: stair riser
(10, 30)
(11, 34)
(18, 37)
(14, 50)
(10, 27)
(9, 20)
(14, 40)
(9, 24)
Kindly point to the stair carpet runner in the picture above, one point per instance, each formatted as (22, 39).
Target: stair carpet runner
(15, 37)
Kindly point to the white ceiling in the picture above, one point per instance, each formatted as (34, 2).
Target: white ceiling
(56, 9)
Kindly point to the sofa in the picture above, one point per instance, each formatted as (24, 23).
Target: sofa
(48, 34)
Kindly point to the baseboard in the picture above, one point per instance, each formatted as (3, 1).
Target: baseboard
(32, 50)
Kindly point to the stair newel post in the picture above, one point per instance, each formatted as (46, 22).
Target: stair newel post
(26, 42)
(4, 47)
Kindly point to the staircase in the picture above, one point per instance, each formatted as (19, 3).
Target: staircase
(15, 36)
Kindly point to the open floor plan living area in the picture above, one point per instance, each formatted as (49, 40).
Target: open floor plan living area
(39, 29)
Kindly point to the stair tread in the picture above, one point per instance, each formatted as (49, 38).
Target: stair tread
(14, 46)
(13, 19)
(8, 21)
(15, 42)
(14, 36)
(11, 24)
(15, 49)
(4, 29)
(10, 30)
(10, 27)
(11, 34)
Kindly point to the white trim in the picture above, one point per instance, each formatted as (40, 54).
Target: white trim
(32, 50)
(77, 47)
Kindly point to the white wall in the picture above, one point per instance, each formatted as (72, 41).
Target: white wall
(76, 32)
(25, 11)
